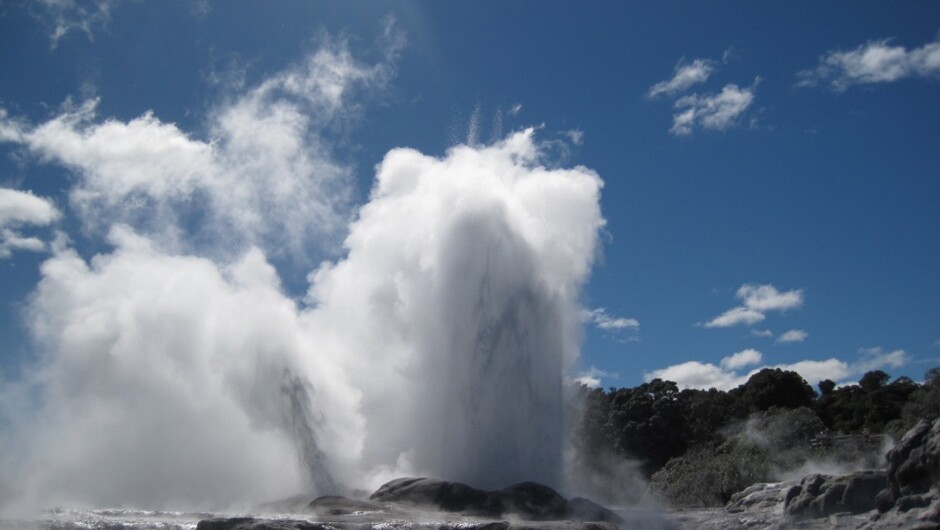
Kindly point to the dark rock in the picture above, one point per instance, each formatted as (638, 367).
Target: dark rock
(526, 500)
(531, 500)
(440, 495)
(581, 509)
(336, 505)
(823, 495)
(250, 523)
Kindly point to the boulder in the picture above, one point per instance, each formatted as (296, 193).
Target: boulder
(912, 498)
(337, 505)
(914, 463)
(251, 523)
(761, 497)
(824, 495)
(526, 500)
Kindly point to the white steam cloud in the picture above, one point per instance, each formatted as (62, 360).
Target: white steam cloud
(172, 372)
(265, 176)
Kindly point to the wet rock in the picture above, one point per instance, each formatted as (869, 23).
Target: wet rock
(526, 500)
(337, 505)
(251, 523)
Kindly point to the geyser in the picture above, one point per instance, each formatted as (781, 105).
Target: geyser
(455, 311)
(171, 374)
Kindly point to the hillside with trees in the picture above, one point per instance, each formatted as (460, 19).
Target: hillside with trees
(698, 447)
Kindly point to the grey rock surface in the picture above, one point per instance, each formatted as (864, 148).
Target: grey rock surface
(912, 498)
(823, 495)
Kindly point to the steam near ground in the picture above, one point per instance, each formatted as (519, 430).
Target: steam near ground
(174, 371)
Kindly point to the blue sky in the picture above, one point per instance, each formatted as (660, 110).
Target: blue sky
(770, 170)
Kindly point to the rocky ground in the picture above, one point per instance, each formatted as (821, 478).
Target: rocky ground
(906, 494)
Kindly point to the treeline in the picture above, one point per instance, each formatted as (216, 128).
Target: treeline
(700, 446)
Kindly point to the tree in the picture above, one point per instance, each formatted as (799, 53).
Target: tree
(873, 380)
(773, 387)
(648, 423)
(826, 386)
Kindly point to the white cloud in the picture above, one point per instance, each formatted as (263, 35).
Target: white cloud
(876, 358)
(23, 208)
(711, 111)
(735, 316)
(768, 298)
(19, 209)
(594, 377)
(758, 300)
(794, 335)
(762, 333)
(873, 62)
(624, 329)
(694, 374)
(515, 109)
(600, 318)
(266, 175)
(684, 77)
(742, 359)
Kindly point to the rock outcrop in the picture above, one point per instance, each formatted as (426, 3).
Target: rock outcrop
(823, 495)
(912, 498)
(419, 503)
(526, 500)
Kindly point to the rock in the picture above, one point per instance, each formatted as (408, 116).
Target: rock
(336, 505)
(914, 463)
(912, 498)
(250, 523)
(823, 495)
(761, 497)
(526, 500)
(440, 495)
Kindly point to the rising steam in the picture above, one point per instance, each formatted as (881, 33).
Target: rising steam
(172, 374)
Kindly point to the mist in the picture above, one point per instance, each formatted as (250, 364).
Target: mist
(173, 369)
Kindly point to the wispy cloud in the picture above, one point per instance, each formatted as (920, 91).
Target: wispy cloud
(20, 209)
(684, 77)
(876, 358)
(712, 111)
(576, 136)
(764, 333)
(626, 329)
(794, 335)
(871, 63)
(727, 375)
(65, 16)
(735, 316)
(757, 300)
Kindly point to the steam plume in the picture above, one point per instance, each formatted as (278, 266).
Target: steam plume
(170, 374)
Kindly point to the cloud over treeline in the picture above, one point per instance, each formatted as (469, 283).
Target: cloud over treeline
(728, 374)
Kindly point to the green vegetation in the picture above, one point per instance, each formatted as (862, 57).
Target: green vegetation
(698, 447)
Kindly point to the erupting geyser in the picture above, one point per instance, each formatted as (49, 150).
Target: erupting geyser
(436, 345)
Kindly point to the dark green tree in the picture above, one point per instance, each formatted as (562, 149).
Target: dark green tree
(773, 387)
